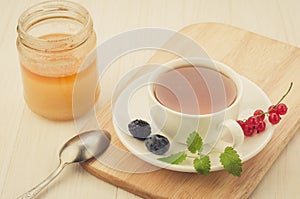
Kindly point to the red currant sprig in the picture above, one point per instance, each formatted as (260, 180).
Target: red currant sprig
(257, 124)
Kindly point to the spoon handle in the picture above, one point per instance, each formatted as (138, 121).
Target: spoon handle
(35, 190)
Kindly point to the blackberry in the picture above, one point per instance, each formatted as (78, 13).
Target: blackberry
(157, 144)
(139, 129)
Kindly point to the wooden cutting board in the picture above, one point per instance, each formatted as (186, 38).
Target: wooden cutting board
(272, 65)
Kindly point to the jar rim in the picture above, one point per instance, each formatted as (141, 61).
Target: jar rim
(62, 43)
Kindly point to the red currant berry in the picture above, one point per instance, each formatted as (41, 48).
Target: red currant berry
(259, 112)
(248, 131)
(274, 118)
(271, 109)
(261, 126)
(240, 122)
(281, 109)
(252, 121)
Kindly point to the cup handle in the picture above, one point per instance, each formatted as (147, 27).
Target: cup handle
(236, 132)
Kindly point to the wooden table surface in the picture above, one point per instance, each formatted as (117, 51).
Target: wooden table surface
(29, 144)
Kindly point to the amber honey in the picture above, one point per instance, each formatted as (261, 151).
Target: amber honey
(52, 97)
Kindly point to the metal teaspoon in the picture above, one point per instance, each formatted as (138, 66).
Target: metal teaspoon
(78, 149)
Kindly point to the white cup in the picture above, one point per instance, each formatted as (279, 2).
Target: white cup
(177, 126)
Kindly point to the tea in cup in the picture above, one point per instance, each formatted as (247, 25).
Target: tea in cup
(196, 94)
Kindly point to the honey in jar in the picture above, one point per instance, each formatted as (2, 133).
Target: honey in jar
(55, 43)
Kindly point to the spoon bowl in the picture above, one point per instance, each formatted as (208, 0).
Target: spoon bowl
(84, 146)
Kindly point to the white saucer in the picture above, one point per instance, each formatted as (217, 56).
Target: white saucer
(138, 108)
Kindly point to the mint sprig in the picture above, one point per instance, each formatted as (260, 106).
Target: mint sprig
(230, 159)
(194, 142)
(202, 165)
(175, 158)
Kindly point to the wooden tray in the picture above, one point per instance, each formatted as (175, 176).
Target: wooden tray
(270, 64)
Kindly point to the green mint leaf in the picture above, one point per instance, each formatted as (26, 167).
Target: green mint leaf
(194, 142)
(202, 165)
(231, 161)
(175, 158)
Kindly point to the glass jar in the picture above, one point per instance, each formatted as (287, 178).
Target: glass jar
(54, 40)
